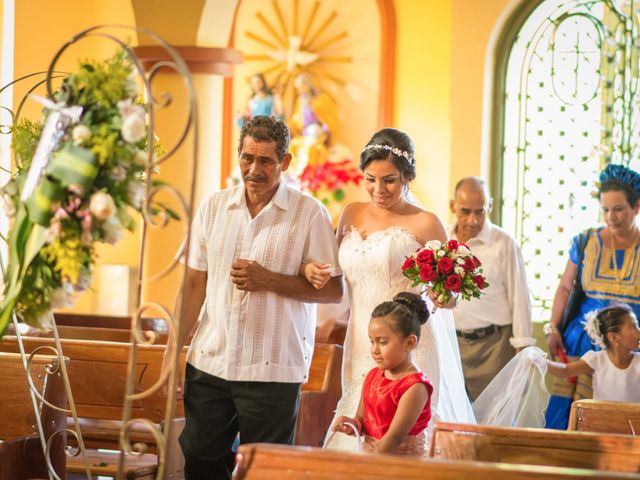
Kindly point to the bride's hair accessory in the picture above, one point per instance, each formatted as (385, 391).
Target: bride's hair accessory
(622, 174)
(395, 150)
(592, 327)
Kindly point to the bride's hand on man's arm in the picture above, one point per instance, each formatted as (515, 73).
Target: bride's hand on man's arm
(317, 274)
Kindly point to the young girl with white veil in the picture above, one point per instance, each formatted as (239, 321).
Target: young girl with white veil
(375, 237)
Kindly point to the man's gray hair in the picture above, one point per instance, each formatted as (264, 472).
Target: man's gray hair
(266, 129)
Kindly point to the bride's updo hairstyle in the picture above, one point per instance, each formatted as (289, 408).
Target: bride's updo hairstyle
(393, 145)
(408, 312)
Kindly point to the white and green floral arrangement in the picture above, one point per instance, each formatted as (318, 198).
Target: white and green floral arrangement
(80, 177)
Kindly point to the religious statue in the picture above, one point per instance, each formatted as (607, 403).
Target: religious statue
(263, 101)
(314, 120)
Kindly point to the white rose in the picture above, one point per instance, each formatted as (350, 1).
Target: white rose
(464, 251)
(141, 158)
(133, 129)
(460, 261)
(459, 271)
(440, 253)
(101, 205)
(434, 245)
(136, 192)
(112, 229)
(80, 134)
(127, 109)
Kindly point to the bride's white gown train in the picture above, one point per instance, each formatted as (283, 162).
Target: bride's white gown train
(372, 266)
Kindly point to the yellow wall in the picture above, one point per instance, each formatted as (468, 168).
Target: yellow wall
(423, 65)
(441, 49)
(470, 35)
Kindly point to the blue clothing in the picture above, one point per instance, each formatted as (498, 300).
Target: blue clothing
(258, 106)
(601, 287)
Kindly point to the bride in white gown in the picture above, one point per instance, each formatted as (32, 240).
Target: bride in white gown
(375, 237)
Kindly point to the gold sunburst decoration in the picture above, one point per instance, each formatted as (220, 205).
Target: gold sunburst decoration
(295, 44)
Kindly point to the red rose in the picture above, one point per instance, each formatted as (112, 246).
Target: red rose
(452, 245)
(469, 264)
(408, 263)
(477, 261)
(425, 257)
(427, 273)
(445, 265)
(479, 281)
(453, 283)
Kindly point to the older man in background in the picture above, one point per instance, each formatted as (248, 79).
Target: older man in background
(489, 330)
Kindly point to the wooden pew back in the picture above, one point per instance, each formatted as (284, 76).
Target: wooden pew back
(605, 417)
(22, 451)
(97, 374)
(276, 462)
(104, 334)
(531, 446)
(319, 395)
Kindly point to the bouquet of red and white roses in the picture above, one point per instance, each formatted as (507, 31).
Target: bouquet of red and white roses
(448, 268)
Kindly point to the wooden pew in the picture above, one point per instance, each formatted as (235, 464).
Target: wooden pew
(106, 321)
(91, 333)
(21, 455)
(97, 373)
(605, 417)
(319, 395)
(534, 446)
(276, 462)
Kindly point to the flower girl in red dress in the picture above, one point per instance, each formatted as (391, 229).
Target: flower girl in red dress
(395, 407)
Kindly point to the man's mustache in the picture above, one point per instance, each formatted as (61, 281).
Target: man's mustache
(256, 178)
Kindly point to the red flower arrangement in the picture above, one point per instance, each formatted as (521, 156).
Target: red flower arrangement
(448, 268)
(325, 181)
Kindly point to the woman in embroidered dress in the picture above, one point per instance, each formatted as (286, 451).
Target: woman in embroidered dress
(375, 237)
(609, 273)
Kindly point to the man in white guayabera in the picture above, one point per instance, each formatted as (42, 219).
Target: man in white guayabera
(491, 329)
(254, 344)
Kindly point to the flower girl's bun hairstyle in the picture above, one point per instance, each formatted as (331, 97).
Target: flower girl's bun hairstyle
(393, 145)
(408, 311)
(609, 319)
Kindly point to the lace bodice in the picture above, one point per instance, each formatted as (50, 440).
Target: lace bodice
(372, 264)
